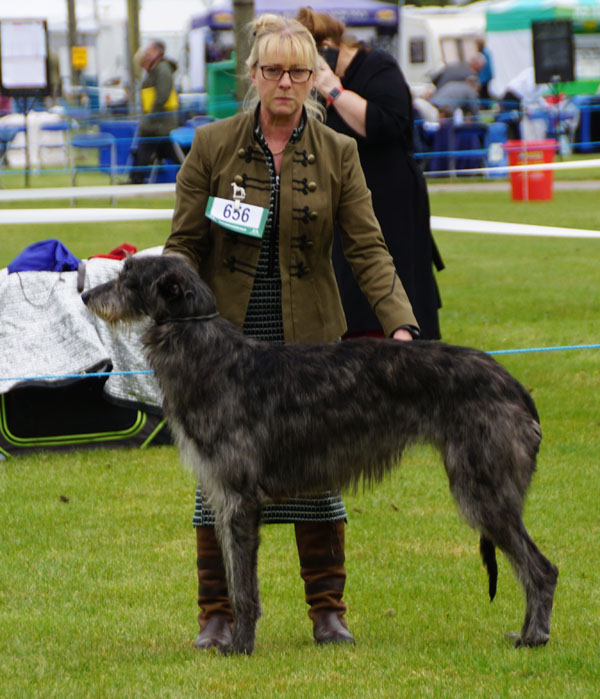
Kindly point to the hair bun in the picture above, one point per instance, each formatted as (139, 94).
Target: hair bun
(266, 21)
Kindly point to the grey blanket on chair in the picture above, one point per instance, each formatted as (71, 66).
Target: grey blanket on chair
(45, 330)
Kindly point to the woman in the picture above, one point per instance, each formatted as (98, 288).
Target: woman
(281, 287)
(369, 100)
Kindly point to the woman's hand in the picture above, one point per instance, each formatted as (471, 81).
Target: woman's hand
(326, 79)
(402, 334)
(350, 106)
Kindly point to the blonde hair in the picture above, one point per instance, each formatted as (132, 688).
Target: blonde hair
(275, 34)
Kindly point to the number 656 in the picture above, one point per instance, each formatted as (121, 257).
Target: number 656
(242, 213)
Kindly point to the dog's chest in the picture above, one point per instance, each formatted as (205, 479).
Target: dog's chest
(195, 461)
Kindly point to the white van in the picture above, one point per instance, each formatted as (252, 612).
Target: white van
(430, 37)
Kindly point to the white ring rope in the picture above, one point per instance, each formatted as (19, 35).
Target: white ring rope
(438, 223)
(139, 190)
(81, 215)
(74, 215)
(467, 225)
(117, 192)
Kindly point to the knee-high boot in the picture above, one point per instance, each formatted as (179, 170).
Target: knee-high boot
(321, 552)
(215, 616)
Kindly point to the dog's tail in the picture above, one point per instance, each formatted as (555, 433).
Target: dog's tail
(488, 554)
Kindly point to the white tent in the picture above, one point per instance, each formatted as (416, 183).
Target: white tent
(102, 27)
(508, 32)
(155, 15)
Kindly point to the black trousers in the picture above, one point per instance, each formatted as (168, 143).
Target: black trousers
(148, 151)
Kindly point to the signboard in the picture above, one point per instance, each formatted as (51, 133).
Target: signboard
(79, 57)
(553, 51)
(24, 57)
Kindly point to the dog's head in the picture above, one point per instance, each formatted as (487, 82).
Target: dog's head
(160, 286)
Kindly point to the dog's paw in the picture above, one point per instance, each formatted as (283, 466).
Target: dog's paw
(242, 645)
(528, 641)
(244, 649)
(535, 641)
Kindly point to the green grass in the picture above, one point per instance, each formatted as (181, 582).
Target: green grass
(97, 569)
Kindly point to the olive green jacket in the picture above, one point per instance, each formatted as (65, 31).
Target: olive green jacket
(321, 181)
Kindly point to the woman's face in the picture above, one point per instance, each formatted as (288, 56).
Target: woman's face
(281, 98)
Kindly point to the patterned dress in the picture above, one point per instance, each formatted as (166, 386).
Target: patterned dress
(264, 321)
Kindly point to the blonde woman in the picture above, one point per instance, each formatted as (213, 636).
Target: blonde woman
(277, 161)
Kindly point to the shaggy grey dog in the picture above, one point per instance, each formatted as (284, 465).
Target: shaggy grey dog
(257, 421)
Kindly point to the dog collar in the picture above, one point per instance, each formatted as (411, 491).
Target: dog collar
(210, 316)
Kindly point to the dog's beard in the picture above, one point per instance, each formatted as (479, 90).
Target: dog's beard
(112, 313)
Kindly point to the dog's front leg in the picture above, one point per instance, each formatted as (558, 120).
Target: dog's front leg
(237, 531)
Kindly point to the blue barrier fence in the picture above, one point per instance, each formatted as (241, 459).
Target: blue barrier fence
(438, 151)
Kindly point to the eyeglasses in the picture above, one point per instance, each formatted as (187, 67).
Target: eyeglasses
(297, 75)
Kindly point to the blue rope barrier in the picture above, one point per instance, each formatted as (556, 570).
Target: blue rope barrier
(544, 349)
(97, 374)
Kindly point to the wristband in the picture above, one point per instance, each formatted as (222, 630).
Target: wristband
(334, 93)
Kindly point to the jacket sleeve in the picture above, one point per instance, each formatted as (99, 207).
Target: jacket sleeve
(189, 226)
(389, 104)
(365, 249)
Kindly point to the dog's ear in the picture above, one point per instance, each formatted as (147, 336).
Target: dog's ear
(169, 286)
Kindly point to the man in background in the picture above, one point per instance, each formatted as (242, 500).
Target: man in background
(159, 106)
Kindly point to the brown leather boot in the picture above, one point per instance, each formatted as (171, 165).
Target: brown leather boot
(215, 616)
(321, 552)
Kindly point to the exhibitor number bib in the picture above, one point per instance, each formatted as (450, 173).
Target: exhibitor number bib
(236, 216)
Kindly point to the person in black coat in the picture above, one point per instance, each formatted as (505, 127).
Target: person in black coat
(368, 99)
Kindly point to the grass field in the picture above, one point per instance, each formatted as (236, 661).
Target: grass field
(97, 569)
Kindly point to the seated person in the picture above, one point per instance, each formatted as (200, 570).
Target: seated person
(459, 71)
(458, 94)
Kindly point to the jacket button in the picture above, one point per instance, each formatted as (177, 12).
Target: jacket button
(311, 159)
(304, 243)
(242, 153)
(238, 179)
(312, 186)
(313, 215)
(302, 270)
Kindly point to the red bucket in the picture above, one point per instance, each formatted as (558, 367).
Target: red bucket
(534, 184)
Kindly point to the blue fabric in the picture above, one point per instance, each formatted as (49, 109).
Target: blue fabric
(45, 256)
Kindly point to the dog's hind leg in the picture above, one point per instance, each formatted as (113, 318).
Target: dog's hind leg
(504, 528)
(492, 503)
(539, 577)
(238, 534)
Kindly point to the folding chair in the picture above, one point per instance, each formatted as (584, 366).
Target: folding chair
(58, 138)
(98, 142)
(472, 137)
